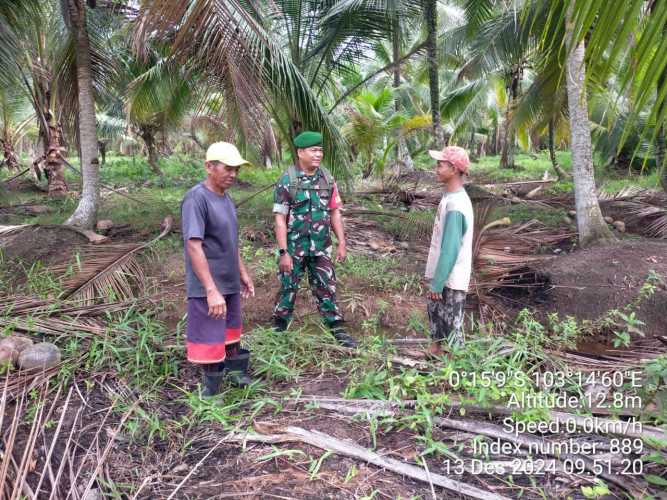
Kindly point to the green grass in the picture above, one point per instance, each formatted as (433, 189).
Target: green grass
(532, 167)
(551, 217)
(610, 182)
(528, 167)
(380, 274)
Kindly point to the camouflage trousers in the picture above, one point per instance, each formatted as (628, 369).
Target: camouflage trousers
(445, 317)
(322, 279)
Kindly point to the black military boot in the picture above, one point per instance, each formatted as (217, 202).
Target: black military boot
(213, 375)
(343, 338)
(236, 369)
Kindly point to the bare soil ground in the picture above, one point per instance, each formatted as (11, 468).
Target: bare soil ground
(588, 283)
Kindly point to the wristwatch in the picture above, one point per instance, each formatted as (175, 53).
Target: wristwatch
(282, 251)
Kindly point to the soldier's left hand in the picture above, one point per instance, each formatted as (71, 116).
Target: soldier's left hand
(247, 286)
(341, 253)
(433, 295)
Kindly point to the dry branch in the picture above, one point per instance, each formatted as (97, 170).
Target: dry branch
(353, 450)
(379, 407)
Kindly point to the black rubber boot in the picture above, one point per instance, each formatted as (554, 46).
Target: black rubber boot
(343, 338)
(279, 325)
(236, 369)
(210, 385)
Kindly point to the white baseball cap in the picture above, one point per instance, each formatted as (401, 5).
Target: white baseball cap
(226, 153)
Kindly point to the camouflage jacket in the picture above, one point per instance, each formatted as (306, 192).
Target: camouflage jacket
(309, 212)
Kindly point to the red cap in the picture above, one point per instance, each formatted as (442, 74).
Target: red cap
(455, 155)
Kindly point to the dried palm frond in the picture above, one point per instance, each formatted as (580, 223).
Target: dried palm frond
(25, 434)
(642, 208)
(104, 273)
(501, 255)
(21, 306)
(5, 230)
(109, 273)
(52, 326)
(411, 226)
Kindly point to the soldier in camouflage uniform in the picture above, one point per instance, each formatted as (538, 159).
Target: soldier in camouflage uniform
(306, 207)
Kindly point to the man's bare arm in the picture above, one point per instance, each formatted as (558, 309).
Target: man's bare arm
(216, 302)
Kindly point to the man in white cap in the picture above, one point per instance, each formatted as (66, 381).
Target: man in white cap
(449, 263)
(215, 275)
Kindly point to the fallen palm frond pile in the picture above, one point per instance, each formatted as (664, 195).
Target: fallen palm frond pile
(502, 251)
(60, 465)
(103, 283)
(642, 209)
(107, 272)
(504, 255)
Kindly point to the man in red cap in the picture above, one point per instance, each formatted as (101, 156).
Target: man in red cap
(449, 263)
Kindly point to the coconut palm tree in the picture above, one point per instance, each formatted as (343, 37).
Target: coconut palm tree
(85, 214)
(590, 223)
(371, 124)
(632, 37)
(157, 93)
(16, 117)
(285, 78)
(529, 27)
(39, 67)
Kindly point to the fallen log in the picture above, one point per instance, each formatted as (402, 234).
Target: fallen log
(649, 434)
(353, 450)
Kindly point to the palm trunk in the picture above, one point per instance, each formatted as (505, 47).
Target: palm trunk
(103, 150)
(269, 146)
(148, 136)
(55, 168)
(431, 14)
(507, 151)
(509, 137)
(493, 140)
(10, 157)
(552, 153)
(403, 159)
(85, 214)
(590, 224)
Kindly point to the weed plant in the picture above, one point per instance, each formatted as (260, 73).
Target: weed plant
(287, 355)
(379, 274)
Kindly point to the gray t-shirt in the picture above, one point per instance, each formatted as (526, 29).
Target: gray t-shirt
(211, 218)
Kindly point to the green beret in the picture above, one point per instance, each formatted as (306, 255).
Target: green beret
(308, 139)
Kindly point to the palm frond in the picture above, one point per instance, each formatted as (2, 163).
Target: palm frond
(607, 30)
(643, 209)
(108, 273)
(500, 255)
(477, 12)
(207, 32)
(13, 14)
